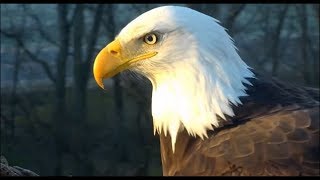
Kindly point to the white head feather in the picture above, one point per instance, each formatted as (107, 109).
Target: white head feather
(196, 74)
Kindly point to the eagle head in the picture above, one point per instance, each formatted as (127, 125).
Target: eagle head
(191, 61)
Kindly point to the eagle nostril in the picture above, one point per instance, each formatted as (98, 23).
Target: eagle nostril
(113, 52)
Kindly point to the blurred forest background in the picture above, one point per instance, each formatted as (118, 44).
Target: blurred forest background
(56, 121)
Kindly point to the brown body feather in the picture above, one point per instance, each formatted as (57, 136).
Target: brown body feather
(274, 132)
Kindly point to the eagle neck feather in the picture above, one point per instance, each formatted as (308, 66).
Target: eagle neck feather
(193, 93)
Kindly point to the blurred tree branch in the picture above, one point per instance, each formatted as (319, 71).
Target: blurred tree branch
(33, 57)
(140, 8)
(232, 16)
(212, 10)
(252, 20)
(39, 25)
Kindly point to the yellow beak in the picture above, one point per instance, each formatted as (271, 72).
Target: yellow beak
(109, 62)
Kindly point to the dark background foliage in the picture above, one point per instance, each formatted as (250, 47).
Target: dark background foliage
(56, 121)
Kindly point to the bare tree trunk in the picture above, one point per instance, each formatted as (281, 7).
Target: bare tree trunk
(315, 52)
(311, 48)
(14, 99)
(81, 69)
(304, 43)
(79, 91)
(59, 113)
(10, 137)
(82, 61)
(316, 8)
(274, 50)
(119, 128)
(266, 38)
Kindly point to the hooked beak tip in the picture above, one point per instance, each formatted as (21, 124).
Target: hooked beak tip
(100, 82)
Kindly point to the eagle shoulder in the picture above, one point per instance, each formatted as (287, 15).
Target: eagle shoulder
(274, 132)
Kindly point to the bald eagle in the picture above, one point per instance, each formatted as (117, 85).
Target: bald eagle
(213, 113)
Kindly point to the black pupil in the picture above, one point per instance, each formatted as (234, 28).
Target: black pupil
(150, 38)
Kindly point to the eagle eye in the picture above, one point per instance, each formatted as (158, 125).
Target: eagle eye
(150, 38)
